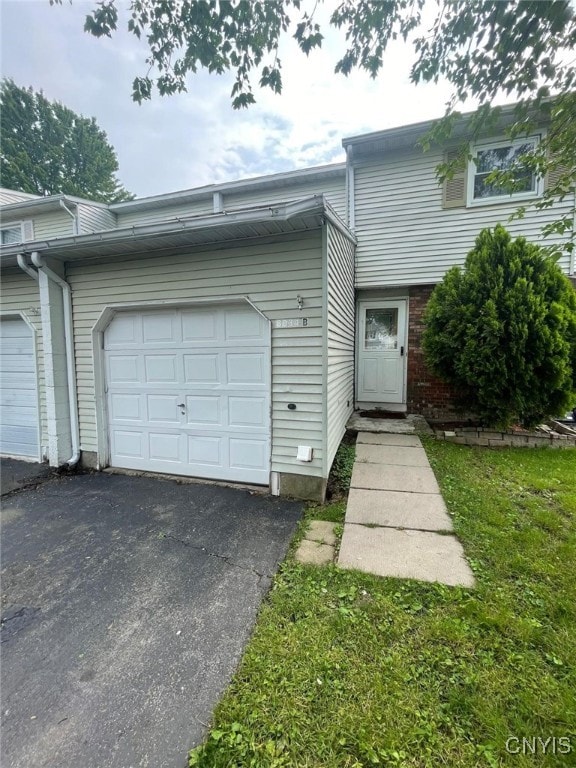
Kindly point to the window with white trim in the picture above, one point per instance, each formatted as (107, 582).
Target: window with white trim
(11, 234)
(501, 156)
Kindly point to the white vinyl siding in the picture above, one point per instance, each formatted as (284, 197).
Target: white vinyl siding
(48, 226)
(271, 275)
(19, 293)
(340, 338)
(166, 213)
(405, 237)
(95, 218)
(333, 188)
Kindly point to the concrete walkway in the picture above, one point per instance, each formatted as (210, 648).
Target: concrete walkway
(396, 521)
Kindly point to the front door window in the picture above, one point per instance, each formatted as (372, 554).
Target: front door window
(381, 329)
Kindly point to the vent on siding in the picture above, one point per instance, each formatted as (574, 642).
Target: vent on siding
(27, 230)
(454, 189)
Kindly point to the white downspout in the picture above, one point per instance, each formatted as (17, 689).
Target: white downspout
(26, 267)
(350, 191)
(75, 217)
(39, 262)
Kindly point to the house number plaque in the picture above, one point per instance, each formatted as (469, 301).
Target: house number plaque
(296, 322)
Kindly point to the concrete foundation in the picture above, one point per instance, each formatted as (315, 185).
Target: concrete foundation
(304, 487)
(89, 459)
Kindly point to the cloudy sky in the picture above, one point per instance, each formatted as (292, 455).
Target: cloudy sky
(196, 138)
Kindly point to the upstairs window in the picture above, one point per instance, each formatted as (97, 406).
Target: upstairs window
(10, 234)
(17, 232)
(501, 156)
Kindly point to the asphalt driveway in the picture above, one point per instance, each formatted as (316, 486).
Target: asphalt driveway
(126, 604)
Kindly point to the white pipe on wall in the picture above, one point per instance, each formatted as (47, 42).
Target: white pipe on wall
(39, 262)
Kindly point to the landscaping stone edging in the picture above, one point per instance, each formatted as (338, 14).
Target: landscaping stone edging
(493, 439)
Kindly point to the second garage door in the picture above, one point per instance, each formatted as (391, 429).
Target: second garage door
(18, 390)
(188, 392)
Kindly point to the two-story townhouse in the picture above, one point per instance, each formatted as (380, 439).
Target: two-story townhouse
(227, 332)
(410, 230)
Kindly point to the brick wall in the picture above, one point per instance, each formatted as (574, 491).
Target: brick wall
(427, 394)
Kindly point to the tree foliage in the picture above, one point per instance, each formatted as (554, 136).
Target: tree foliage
(47, 149)
(483, 48)
(503, 331)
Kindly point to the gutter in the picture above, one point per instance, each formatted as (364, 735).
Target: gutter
(315, 204)
(39, 262)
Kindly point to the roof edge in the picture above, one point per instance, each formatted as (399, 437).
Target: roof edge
(276, 211)
(240, 185)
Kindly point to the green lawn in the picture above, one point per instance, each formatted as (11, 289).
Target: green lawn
(345, 670)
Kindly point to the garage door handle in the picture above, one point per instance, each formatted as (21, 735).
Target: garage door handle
(181, 405)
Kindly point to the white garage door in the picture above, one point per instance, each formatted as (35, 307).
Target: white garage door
(18, 390)
(189, 392)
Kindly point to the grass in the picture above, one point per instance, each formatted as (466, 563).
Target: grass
(345, 670)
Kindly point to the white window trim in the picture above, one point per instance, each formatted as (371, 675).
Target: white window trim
(500, 199)
(13, 225)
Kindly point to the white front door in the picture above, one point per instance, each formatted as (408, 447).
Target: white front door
(381, 348)
(188, 392)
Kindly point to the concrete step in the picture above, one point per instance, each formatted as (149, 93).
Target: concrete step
(387, 438)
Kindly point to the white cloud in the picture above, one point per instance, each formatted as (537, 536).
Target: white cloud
(197, 138)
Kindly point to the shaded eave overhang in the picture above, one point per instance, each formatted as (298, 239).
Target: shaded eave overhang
(408, 136)
(186, 232)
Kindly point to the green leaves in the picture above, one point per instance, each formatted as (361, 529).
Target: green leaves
(503, 332)
(47, 149)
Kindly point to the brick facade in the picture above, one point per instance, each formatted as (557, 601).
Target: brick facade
(426, 394)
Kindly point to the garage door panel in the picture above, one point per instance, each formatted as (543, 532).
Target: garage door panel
(123, 369)
(244, 326)
(216, 363)
(127, 444)
(24, 416)
(18, 390)
(162, 327)
(125, 330)
(247, 453)
(163, 446)
(245, 368)
(14, 380)
(161, 368)
(21, 397)
(201, 369)
(163, 408)
(204, 410)
(19, 441)
(247, 412)
(126, 407)
(16, 363)
(205, 450)
(199, 327)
